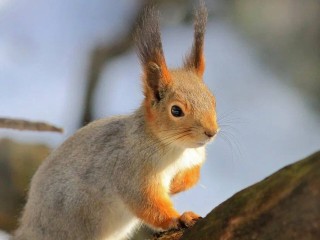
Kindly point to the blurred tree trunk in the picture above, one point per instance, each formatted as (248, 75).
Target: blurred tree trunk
(101, 55)
(288, 36)
(18, 163)
(284, 206)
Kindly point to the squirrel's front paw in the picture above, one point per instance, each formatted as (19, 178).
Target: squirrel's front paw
(188, 219)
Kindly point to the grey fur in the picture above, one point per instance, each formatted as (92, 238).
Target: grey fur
(93, 186)
(148, 37)
(79, 188)
(82, 190)
(201, 15)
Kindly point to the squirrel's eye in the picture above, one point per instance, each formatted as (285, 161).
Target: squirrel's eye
(177, 111)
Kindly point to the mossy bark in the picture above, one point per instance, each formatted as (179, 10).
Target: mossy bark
(285, 205)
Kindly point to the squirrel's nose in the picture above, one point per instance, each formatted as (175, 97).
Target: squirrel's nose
(210, 133)
(210, 126)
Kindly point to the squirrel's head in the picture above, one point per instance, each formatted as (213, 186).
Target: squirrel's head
(179, 108)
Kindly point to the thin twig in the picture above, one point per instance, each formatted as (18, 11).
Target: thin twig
(21, 124)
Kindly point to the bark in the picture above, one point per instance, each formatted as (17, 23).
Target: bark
(285, 205)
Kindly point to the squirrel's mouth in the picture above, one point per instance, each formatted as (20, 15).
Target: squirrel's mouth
(200, 144)
(206, 141)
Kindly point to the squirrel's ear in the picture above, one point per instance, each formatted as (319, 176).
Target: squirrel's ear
(196, 60)
(149, 47)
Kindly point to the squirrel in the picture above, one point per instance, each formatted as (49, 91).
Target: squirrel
(117, 173)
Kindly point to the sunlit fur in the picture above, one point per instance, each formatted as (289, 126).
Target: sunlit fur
(184, 87)
(190, 93)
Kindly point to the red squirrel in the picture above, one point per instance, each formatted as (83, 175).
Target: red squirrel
(117, 173)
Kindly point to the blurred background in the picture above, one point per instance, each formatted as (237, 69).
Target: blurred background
(70, 62)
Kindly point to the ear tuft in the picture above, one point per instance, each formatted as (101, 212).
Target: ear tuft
(152, 74)
(196, 60)
(149, 47)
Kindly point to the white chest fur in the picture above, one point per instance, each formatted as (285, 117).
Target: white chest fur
(179, 161)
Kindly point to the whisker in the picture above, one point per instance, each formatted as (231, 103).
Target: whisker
(180, 136)
(169, 139)
(234, 143)
(229, 143)
(225, 127)
(226, 114)
(229, 118)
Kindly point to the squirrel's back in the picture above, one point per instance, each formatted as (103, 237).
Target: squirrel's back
(75, 183)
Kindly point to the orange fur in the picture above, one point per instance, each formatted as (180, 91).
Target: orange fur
(157, 208)
(210, 123)
(185, 180)
(166, 77)
(164, 81)
(147, 105)
(201, 65)
(165, 74)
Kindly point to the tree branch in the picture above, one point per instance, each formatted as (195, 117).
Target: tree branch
(20, 124)
(283, 206)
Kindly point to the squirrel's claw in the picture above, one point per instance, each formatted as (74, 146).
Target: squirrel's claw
(188, 219)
